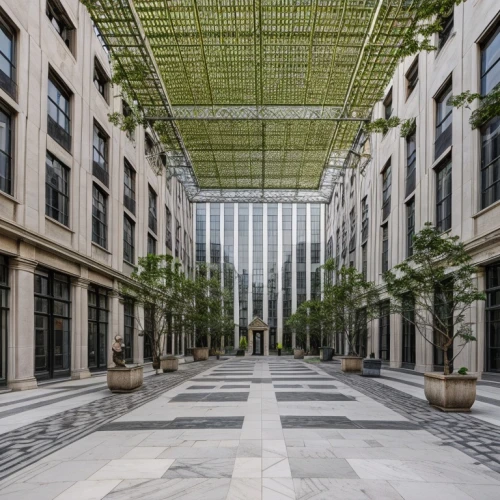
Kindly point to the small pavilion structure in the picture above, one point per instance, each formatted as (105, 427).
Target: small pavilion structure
(258, 337)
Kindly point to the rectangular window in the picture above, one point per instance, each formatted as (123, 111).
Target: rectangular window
(152, 219)
(201, 245)
(446, 29)
(4, 316)
(61, 22)
(412, 78)
(56, 190)
(8, 59)
(129, 187)
(444, 121)
(59, 114)
(409, 344)
(493, 318)
(352, 230)
(101, 80)
(177, 239)
(388, 105)
(272, 264)
(258, 261)
(364, 219)
(410, 226)
(151, 245)
(128, 330)
(490, 132)
(385, 248)
(100, 155)
(168, 231)
(286, 272)
(364, 261)
(301, 253)
(6, 142)
(344, 238)
(443, 196)
(52, 324)
(315, 234)
(385, 332)
(98, 328)
(411, 163)
(386, 190)
(215, 243)
(128, 240)
(99, 217)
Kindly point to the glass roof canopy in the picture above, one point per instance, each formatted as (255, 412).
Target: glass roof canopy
(258, 100)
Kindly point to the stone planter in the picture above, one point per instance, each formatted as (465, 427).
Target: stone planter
(169, 364)
(450, 392)
(351, 364)
(325, 353)
(200, 353)
(371, 367)
(125, 379)
(279, 352)
(298, 354)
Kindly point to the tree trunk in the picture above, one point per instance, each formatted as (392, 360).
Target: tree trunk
(446, 361)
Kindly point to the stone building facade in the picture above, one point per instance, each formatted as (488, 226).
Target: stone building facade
(79, 202)
(443, 172)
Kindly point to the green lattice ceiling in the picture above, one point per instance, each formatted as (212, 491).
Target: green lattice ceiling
(259, 64)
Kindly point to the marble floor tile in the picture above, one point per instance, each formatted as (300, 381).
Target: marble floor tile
(384, 469)
(272, 448)
(145, 452)
(140, 468)
(324, 467)
(33, 491)
(245, 489)
(480, 491)
(69, 471)
(429, 491)
(248, 467)
(249, 448)
(276, 467)
(200, 467)
(343, 489)
(278, 489)
(88, 490)
(205, 452)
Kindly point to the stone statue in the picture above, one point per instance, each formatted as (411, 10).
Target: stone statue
(117, 348)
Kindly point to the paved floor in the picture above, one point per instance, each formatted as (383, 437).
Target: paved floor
(265, 428)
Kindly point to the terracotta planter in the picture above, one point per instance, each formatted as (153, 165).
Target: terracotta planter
(351, 364)
(200, 353)
(298, 354)
(125, 379)
(169, 364)
(450, 392)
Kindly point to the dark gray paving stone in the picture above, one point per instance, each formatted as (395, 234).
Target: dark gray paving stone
(315, 422)
(302, 379)
(177, 423)
(322, 386)
(210, 397)
(238, 379)
(290, 386)
(202, 387)
(232, 386)
(312, 396)
(387, 425)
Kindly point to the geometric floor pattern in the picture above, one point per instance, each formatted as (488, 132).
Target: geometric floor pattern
(200, 440)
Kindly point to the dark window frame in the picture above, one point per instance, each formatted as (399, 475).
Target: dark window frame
(444, 200)
(364, 219)
(411, 78)
(59, 214)
(99, 217)
(152, 210)
(411, 162)
(62, 23)
(129, 330)
(385, 332)
(101, 80)
(386, 189)
(129, 176)
(8, 82)
(410, 226)
(444, 119)
(385, 247)
(100, 154)
(61, 134)
(128, 240)
(152, 245)
(447, 24)
(101, 308)
(7, 155)
(168, 228)
(388, 105)
(4, 318)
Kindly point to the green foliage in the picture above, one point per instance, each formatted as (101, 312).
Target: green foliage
(434, 290)
(489, 105)
(382, 126)
(463, 370)
(279, 346)
(243, 343)
(159, 285)
(349, 304)
(308, 318)
(428, 16)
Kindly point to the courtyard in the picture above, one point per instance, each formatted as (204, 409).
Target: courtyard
(248, 428)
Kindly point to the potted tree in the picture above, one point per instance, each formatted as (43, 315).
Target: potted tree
(279, 346)
(434, 290)
(243, 347)
(350, 303)
(157, 285)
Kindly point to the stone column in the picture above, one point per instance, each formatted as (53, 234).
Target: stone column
(266, 342)
(396, 341)
(21, 345)
(183, 342)
(79, 330)
(113, 322)
(250, 342)
(294, 340)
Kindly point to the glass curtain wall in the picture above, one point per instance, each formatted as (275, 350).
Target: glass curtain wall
(229, 261)
(243, 229)
(272, 273)
(258, 261)
(287, 271)
(215, 234)
(201, 216)
(128, 330)
(493, 318)
(301, 253)
(315, 252)
(52, 324)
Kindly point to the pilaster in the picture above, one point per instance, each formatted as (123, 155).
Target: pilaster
(79, 329)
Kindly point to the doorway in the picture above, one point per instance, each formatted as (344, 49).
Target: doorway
(257, 343)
